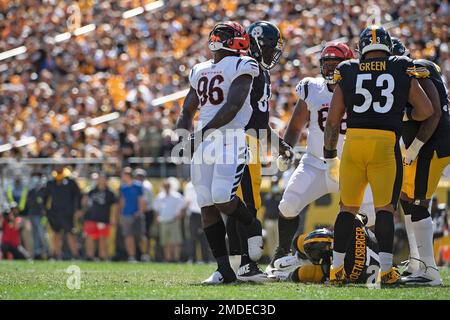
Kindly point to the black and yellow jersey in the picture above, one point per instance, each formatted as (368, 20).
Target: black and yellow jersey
(376, 91)
(259, 100)
(439, 141)
(361, 259)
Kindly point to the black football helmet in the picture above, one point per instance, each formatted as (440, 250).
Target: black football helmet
(374, 38)
(266, 43)
(398, 48)
(318, 246)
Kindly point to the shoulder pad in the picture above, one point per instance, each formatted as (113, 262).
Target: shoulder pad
(302, 88)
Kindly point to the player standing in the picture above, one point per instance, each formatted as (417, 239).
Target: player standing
(426, 156)
(266, 44)
(373, 92)
(309, 181)
(220, 89)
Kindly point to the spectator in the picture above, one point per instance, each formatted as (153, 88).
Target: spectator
(17, 192)
(271, 202)
(198, 237)
(11, 224)
(63, 203)
(132, 208)
(35, 209)
(140, 176)
(100, 204)
(168, 208)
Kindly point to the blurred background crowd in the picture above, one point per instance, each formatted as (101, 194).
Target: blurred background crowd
(126, 64)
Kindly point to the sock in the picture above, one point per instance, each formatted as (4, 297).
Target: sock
(423, 230)
(414, 264)
(242, 214)
(384, 231)
(234, 246)
(343, 231)
(243, 241)
(385, 261)
(286, 231)
(215, 234)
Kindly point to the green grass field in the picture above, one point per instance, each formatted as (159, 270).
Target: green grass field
(48, 280)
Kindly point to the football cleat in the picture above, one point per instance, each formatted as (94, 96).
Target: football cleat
(337, 275)
(287, 263)
(215, 278)
(429, 277)
(390, 277)
(251, 273)
(270, 269)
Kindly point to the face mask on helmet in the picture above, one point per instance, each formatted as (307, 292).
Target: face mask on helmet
(223, 36)
(331, 56)
(327, 67)
(265, 49)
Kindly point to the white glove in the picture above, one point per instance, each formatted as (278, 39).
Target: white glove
(333, 168)
(412, 152)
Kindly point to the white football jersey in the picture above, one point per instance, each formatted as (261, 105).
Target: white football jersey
(315, 93)
(212, 82)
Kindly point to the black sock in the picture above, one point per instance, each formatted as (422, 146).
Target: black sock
(406, 206)
(215, 234)
(243, 242)
(384, 231)
(286, 231)
(242, 231)
(419, 213)
(242, 214)
(234, 245)
(343, 231)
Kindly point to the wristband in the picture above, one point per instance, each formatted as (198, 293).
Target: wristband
(329, 154)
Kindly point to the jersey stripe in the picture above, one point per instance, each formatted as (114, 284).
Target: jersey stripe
(238, 63)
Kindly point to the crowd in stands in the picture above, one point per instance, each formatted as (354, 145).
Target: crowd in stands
(125, 64)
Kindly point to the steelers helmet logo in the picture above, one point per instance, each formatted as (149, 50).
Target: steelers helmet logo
(257, 32)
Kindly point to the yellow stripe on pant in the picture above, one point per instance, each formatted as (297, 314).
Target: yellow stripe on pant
(250, 187)
(370, 156)
(421, 178)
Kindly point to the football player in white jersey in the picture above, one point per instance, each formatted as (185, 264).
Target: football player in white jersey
(220, 90)
(309, 181)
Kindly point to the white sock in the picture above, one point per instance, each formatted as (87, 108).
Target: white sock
(338, 259)
(385, 261)
(414, 264)
(423, 230)
(235, 262)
